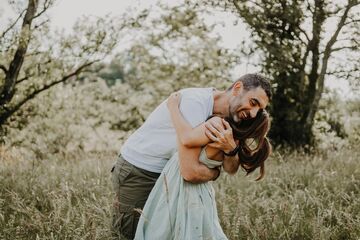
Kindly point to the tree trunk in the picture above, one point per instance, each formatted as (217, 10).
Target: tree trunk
(287, 108)
(311, 89)
(12, 73)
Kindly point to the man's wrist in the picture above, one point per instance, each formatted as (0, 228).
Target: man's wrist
(233, 152)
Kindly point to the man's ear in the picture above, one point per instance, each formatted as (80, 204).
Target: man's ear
(237, 88)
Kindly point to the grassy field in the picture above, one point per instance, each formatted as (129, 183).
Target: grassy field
(301, 197)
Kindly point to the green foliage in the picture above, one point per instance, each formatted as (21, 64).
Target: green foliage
(337, 122)
(174, 51)
(112, 72)
(49, 58)
(91, 115)
(297, 51)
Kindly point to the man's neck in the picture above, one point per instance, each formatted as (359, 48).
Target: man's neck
(221, 103)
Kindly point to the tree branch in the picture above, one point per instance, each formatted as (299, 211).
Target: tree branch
(13, 24)
(253, 2)
(237, 6)
(47, 4)
(319, 17)
(2, 67)
(343, 39)
(352, 21)
(34, 53)
(342, 71)
(63, 79)
(14, 109)
(340, 25)
(327, 54)
(23, 79)
(345, 47)
(304, 32)
(41, 24)
(38, 67)
(304, 58)
(335, 11)
(309, 7)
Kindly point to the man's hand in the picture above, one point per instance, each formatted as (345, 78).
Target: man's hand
(219, 131)
(174, 100)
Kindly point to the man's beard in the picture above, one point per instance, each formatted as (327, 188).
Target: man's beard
(233, 116)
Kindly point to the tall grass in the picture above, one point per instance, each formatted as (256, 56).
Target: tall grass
(302, 197)
(70, 197)
(56, 198)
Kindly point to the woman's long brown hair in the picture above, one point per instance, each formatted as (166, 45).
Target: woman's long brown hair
(250, 132)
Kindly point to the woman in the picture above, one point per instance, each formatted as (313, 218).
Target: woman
(177, 209)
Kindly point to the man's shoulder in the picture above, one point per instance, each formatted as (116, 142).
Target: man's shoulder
(196, 89)
(196, 104)
(197, 93)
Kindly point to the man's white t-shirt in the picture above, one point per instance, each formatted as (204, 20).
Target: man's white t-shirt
(154, 143)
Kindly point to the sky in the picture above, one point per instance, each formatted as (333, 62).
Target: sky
(66, 12)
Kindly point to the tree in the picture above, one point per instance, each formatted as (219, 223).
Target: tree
(172, 50)
(33, 59)
(297, 52)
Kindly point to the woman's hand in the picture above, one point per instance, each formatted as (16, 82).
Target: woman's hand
(174, 100)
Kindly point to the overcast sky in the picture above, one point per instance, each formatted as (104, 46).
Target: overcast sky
(65, 13)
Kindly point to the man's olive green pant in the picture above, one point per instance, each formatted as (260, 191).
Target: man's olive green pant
(132, 186)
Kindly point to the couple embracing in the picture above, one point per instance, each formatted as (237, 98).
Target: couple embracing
(162, 174)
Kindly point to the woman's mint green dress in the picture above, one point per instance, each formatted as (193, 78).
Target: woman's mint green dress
(180, 210)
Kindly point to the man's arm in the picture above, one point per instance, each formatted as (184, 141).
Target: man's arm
(231, 164)
(189, 141)
(190, 167)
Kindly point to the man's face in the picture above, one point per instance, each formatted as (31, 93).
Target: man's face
(245, 104)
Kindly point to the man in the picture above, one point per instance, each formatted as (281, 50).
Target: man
(145, 153)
